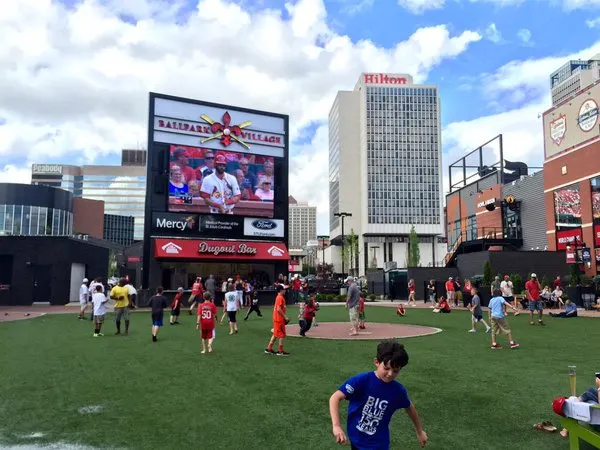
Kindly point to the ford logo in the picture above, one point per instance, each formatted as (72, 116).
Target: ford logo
(263, 224)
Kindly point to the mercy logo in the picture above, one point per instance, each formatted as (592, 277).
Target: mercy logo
(185, 223)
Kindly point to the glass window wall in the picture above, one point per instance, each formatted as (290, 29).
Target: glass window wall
(25, 220)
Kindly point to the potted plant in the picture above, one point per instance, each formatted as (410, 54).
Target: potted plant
(372, 297)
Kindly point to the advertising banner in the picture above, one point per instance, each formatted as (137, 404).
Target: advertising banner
(204, 249)
(568, 237)
(264, 227)
(169, 224)
(597, 235)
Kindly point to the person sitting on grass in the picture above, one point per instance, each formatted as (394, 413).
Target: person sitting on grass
(570, 311)
(400, 311)
(442, 306)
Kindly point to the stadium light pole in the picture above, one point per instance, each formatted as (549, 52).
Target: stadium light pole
(343, 215)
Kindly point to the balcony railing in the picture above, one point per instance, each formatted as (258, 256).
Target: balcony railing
(482, 234)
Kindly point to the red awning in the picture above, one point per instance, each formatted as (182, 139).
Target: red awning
(219, 250)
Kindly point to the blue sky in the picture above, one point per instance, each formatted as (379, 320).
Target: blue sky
(76, 73)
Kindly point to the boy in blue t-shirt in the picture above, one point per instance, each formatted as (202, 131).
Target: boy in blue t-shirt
(374, 398)
(498, 320)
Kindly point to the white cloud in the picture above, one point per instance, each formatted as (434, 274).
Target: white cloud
(593, 23)
(352, 7)
(421, 6)
(524, 36)
(74, 82)
(493, 34)
(14, 174)
(523, 88)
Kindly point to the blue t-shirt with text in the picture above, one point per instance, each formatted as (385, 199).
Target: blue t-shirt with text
(372, 405)
(496, 306)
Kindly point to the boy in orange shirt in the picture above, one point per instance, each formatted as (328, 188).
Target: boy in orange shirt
(361, 313)
(280, 320)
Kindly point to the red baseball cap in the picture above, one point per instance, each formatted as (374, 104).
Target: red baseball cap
(220, 159)
(558, 405)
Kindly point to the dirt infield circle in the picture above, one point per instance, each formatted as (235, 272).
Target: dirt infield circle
(341, 330)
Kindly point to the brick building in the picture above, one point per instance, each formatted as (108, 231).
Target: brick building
(572, 174)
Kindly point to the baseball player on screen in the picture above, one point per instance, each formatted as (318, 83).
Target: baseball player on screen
(220, 190)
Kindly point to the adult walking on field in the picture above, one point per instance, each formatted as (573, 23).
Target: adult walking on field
(211, 286)
(352, 303)
(120, 294)
(533, 288)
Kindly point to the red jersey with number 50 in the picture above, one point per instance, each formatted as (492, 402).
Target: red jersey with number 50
(207, 312)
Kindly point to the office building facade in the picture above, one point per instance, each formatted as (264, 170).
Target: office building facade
(385, 169)
(302, 228)
(119, 229)
(572, 77)
(121, 188)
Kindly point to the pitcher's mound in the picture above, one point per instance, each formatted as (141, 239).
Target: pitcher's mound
(341, 330)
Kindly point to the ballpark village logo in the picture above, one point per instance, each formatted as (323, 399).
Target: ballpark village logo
(588, 115)
(558, 129)
(226, 132)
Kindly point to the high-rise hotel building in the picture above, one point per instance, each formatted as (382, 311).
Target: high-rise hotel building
(385, 168)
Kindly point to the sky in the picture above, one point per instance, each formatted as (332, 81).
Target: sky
(75, 75)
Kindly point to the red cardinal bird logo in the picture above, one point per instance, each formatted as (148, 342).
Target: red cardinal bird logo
(225, 132)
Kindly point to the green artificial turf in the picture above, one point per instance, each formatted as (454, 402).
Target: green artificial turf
(166, 395)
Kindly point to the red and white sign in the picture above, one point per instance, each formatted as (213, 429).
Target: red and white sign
(597, 235)
(134, 259)
(568, 237)
(294, 265)
(558, 129)
(383, 78)
(571, 255)
(209, 249)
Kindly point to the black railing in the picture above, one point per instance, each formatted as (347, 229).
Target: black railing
(482, 234)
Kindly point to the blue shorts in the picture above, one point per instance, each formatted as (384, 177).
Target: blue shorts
(157, 320)
(535, 305)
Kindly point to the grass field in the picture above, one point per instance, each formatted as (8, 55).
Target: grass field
(166, 395)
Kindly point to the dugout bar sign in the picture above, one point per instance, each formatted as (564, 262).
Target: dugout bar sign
(201, 249)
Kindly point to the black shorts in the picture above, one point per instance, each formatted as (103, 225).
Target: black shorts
(231, 315)
(175, 312)
(157, 317)
(509, 299)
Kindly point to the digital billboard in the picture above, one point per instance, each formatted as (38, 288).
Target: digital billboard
(202, 180)
(216, 171)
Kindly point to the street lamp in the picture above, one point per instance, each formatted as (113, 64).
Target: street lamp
(343, 215)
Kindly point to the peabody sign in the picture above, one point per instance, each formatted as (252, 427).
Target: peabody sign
(47, 169)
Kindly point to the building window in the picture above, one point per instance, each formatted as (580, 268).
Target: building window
(567, 207)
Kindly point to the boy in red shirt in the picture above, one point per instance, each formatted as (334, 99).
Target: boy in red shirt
(443, 306)
(361, 313)
(310, 310)
(280, 320)
(400, 310)
(176, 307)
(206, 319)
(197, 291)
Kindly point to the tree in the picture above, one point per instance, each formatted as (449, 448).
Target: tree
(414, 252)
(488, 274)
(350, 254)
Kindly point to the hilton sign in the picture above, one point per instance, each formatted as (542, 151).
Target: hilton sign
(382, 78)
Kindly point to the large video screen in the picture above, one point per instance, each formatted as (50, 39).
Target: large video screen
(204, 180)
(567, 206)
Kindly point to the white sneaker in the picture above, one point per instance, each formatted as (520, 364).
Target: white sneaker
(472, 331)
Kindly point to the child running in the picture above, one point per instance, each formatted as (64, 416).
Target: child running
(308, 315)
(373, 398)
(477, 313)
(176, 307)
(498, 319)
(361, 313)
(158, 303)
(255, 306)
(207, 319)
(98, 300)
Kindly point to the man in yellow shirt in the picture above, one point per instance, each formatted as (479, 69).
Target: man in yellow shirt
(120, 294)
